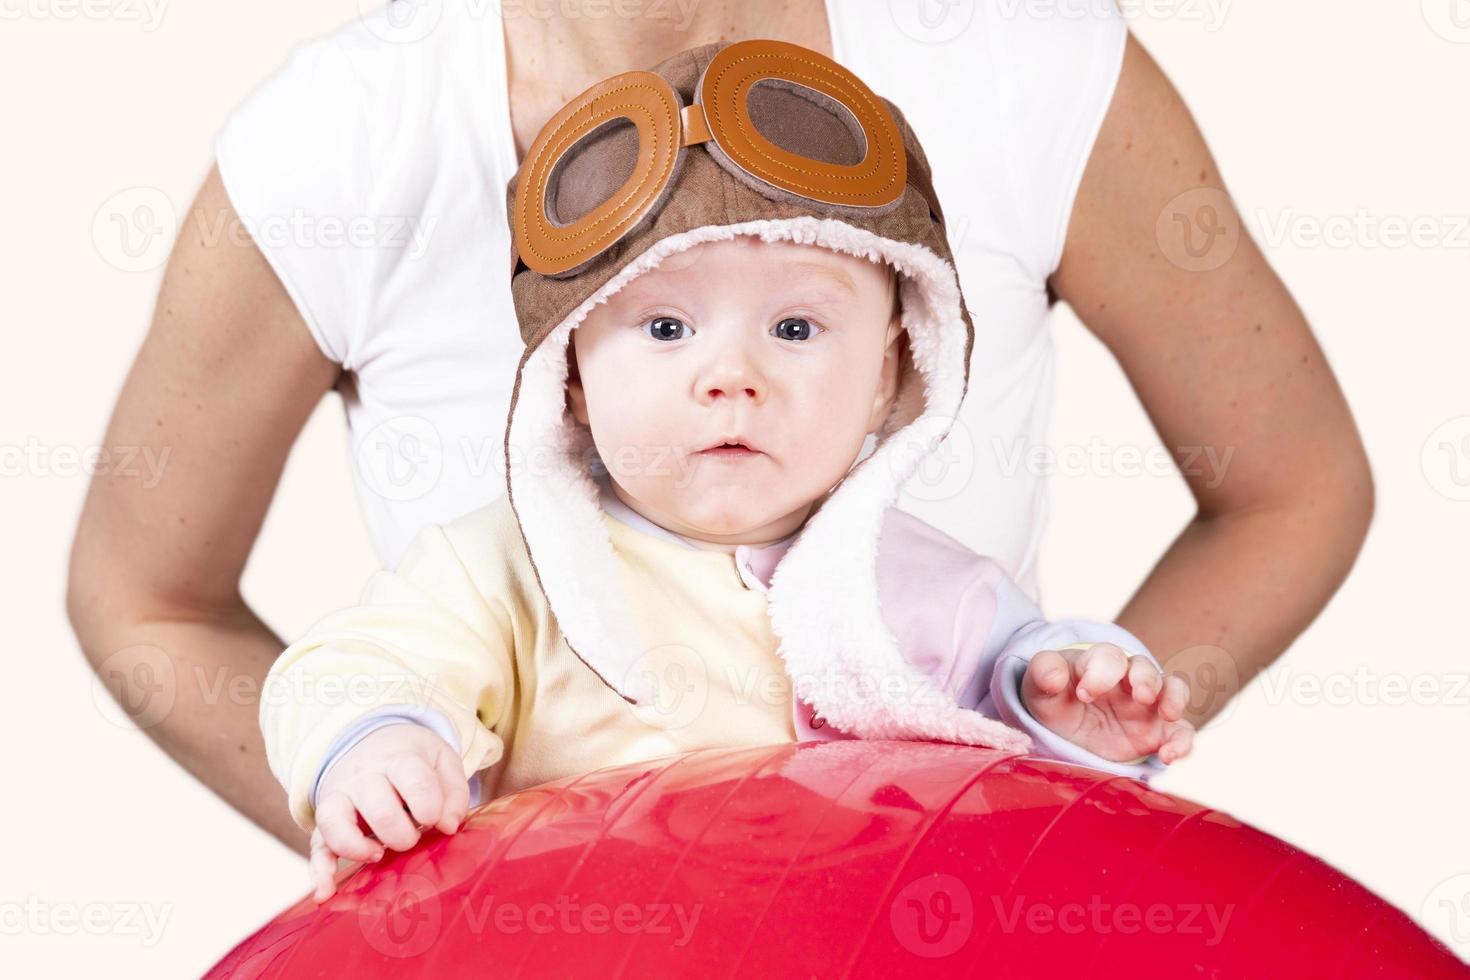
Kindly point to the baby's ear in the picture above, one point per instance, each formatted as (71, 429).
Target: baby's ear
(576, 399)
(897, 338)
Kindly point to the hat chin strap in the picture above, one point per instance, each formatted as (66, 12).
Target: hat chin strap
(823, 597)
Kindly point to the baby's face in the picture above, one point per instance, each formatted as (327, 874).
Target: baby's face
(791, 350)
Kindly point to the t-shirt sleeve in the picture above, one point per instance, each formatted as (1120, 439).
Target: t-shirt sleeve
(295, 160)
(424, 636)
(1062, 67)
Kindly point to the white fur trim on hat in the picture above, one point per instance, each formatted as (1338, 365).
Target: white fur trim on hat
(823, 597)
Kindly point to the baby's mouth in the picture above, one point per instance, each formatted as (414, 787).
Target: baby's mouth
(729, 449)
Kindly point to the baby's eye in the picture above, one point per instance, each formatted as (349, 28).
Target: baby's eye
(667, 328)
(796, 328)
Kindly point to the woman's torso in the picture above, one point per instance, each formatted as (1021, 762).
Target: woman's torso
(420, 315)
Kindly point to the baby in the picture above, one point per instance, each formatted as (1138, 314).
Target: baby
(697, 546)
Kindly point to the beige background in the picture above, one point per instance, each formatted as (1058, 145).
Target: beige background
(1333, 127)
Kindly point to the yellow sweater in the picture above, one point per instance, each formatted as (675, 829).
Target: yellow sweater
(462, 626)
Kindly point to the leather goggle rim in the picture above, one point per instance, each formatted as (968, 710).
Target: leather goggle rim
(665, 126)
(874, 182)
(653, 106)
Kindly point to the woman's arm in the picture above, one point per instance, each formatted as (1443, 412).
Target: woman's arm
(1221, 357)
(223, 383)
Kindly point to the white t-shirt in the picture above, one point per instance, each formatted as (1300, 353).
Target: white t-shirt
(371, 170)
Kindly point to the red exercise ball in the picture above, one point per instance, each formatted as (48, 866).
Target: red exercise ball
(845, 858)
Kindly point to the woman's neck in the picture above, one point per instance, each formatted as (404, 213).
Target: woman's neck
(553, 54)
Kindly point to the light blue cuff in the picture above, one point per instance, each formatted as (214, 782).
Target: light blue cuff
(1005, 688)
(430, 718)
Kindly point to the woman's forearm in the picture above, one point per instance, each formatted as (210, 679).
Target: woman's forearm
(1233, 591)
(194, 685)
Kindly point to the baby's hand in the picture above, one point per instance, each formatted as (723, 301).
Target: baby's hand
(405, 760)
(1108, 703)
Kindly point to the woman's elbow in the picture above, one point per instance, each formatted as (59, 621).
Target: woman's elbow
(90, 608)
(104, 597)
(1356, 494)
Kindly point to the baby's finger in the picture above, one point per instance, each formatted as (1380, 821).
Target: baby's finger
(380, 806)
(336, 819)
(323, 867)
(1178, 743)
(1144, 678)
(419, 786)
(1100, 668)
(456, 791)
(1175, 697)
(1048, 673)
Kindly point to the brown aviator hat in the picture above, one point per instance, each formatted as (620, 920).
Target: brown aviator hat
(761, 138)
